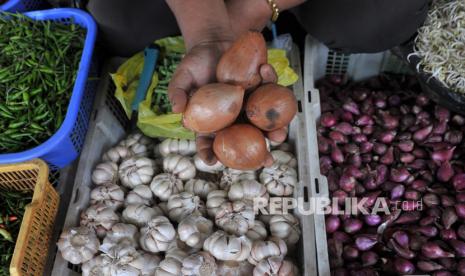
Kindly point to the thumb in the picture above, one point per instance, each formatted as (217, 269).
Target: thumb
(178, 89)
(204, 146)
(268, 74)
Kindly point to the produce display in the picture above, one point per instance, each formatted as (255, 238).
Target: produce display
(12, 205)
(216, 108)
(38, 66)
(382, 138)
(158, 209)
(440, 43)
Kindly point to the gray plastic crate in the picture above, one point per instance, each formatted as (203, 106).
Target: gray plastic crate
(107, 128)
(320, 62)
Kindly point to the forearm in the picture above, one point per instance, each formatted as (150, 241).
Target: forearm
(254, 15)
(202, 20)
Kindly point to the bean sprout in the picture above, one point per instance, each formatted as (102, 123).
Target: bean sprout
(440, 44)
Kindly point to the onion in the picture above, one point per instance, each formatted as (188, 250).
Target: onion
(461, 232)
(388, 136)
(364, 120)
(379, 148)
(328, 119)
(428, 230)
(441, 113)
(338, 137)
(351, 107)
(406, 145)
(442, 155)
(342, 236)
(460, 197)
(459, 247)
(427, 220)
(447, 200)
(459, 182)
(445, 172)
(404, 252)
(458, 120)
(403, 266)
(429, 266)
(449, 217)
(241, 147)
(448, 234)
(323, 144)
(461, 267)
(365, 242)
(411, 194)
(453, 137)
(332, 224)
(240, 64)
(433, 251)
(336, 154)
(431, 199)
(271, 107)
(372, 220)
(345, 128)
(350, 252)
(421, 134)
(347, 117)
(401, 238)
(352, 225)
(369, 258)
(213, 107)
(388, 157)
(460, 210)
(408, 217)
(397, 192)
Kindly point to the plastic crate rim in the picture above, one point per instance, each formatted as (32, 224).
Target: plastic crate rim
(8, 5)
(77, 93)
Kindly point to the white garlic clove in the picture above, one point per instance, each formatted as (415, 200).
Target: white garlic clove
(164, 185)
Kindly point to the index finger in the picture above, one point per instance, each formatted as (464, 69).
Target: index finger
(180, 85)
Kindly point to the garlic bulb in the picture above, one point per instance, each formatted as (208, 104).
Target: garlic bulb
(257, 232)
(169, 267)
(226, 247)
(179, 244)
(146, 263)
(105, 173)
(214, 201)
(235, 218)
(180, 166)
(274, 246)
(285, 227)
(183, 205)
(136, 171)
(172, 264)
(157, 235)
(139, 195)
(247, 190)
(194, 230)
(275, 266)
(121, 233)
(110, 195)
(230, 268)
(140, 150)
(140, 214)
(201, 166)
(117, 154)
(78, 244)
(177, 146)
(284, 158)
(199, 264)
(139, 144)
(99, 217)
(200, 187)
(97, 266)
(164, 185)
(265, 218)
(118, 260)
(231, 176)
(279, 180)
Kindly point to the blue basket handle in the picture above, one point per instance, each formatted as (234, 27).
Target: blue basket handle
(150, 61)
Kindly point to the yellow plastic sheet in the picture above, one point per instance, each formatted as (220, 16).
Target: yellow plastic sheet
(126, 80)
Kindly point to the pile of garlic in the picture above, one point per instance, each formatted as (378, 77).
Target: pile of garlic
(159, 210)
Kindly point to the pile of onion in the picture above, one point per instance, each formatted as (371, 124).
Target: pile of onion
(383, 138)
(215, 108)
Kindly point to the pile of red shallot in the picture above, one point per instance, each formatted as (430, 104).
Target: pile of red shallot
(382, 138)
(217, 108)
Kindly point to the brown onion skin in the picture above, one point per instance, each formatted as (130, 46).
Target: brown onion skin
(271, 107)
(213, 107)
(241, 147)
(240, 64)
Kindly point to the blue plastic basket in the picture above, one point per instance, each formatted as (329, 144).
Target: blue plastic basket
(23, 5)
(65, 145)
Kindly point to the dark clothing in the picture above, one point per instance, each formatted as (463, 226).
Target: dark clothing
(347, 25)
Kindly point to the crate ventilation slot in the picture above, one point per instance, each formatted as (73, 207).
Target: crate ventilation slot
(337, 63)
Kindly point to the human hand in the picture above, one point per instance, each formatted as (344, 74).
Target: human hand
(204, 143)
(196, 69)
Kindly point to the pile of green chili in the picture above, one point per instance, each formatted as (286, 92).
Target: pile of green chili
(12, 205)
(165, 70)
(38, 67)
